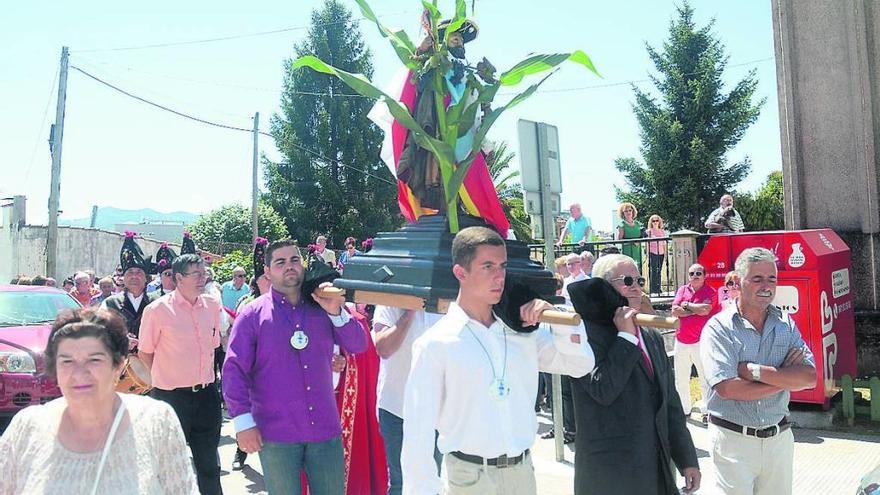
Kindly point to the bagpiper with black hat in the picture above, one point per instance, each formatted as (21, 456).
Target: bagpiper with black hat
(162, 267)
(130, 303)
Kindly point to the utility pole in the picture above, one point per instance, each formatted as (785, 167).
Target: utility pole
(55, 186)
(255, 189)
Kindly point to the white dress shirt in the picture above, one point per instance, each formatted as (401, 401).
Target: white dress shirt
(449, 390)
(571, 279)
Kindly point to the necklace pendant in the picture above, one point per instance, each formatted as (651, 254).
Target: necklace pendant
(499, 390)
(300, 340)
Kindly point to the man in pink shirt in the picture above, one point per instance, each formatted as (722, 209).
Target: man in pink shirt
(178, 335)
(694, 304)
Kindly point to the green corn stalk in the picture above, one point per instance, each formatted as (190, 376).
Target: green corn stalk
(456, 120)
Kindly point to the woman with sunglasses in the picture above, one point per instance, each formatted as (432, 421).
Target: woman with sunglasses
(656, 252)
(694, 303)
(729, 292)
(630, 228)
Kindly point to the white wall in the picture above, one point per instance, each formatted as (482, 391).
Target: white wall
(23, 250)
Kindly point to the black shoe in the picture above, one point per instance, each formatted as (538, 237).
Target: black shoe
(240, 458)
(568, 437)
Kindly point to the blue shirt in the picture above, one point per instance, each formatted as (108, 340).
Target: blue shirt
(729, 339)
(577, 228)
(231, 295)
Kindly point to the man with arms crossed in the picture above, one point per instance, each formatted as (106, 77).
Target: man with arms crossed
(753, 356)
(474, 380)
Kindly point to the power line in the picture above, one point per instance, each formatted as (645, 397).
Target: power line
(27, 172)
(228, 37)
(222, 126)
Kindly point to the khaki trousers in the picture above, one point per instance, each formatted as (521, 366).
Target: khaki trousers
(747, 465)
(466, 478)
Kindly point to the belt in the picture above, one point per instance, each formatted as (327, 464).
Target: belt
(195, 388)
(499, 462)
(767, 432)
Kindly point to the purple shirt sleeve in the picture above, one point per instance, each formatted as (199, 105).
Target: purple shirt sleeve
(240, 358)
(350, 337)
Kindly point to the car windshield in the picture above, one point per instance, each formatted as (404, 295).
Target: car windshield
(30, 308)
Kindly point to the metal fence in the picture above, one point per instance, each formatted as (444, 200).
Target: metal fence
(657, 269)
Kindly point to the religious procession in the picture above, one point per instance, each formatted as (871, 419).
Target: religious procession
(473, 345)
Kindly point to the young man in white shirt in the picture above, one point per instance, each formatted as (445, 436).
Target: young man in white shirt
(474, 381)
(394, 332)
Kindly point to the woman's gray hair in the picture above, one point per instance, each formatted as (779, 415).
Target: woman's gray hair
(751, 256)
(603, 266)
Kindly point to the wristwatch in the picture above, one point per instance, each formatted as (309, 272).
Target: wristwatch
(686, 306)
(756, 371)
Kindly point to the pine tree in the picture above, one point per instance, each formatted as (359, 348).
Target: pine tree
(686, 133)
(331, 180)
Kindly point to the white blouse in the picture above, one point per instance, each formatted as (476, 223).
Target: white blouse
(148, 455)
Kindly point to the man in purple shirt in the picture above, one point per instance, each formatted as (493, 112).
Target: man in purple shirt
(278, 382)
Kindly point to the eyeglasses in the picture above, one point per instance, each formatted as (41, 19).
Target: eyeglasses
(196, 274)
(572, 263)
(238, 276)
(695, 274)
(628, 281)
(730, 283)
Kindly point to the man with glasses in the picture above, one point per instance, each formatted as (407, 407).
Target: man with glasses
(82, 290)
(234, 289)
(574, 264)
(628, 414)
(177, 340)
(754, 356)
(694, 304)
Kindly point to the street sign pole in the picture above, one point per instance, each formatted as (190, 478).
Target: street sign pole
(548, 225)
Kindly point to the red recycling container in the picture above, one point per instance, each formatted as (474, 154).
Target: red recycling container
(813, 286)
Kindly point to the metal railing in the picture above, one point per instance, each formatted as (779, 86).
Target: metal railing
(659, 271)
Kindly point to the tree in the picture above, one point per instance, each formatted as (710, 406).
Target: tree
(509, 192)
(763, 210)
(229, 227)
(686, 133)
(331, 180)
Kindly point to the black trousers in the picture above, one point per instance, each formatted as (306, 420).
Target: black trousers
(567, 403)
(200, 417)
(655, 269)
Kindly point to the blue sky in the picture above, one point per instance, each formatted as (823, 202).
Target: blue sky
(120, 152)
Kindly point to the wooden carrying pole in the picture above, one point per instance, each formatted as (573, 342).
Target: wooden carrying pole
(417, 304)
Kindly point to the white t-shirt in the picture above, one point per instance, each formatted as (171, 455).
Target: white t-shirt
(394, 370)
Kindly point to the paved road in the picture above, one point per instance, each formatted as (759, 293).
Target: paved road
(826, 463)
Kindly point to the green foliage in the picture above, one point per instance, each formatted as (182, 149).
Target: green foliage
(223, 269)
(230, 226)
(331, 180)
(686, 133)
(763, 210)
(431, 67)
(509, 192)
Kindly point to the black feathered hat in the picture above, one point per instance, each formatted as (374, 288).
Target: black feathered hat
(132, 256)
(260, 257)
(164, 257)
(188, 246)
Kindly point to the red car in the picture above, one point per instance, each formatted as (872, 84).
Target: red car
(26, 316)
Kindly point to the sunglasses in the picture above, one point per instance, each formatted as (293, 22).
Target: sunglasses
(628, 281)
(572, 263)
(731, 283)
(238, 276)
(695, 274)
